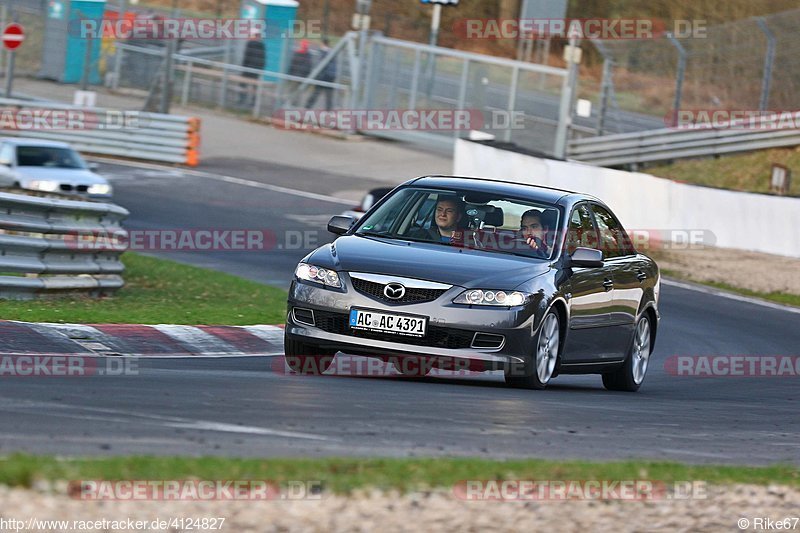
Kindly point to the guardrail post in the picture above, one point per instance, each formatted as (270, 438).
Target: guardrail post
(187, 82)
(462, 90)
(223, 87)
(680, 74)
(605, 92)
(393, 82)
(412, 103)
(766, 81)
(117, 67)
(565, 107)
(512, 103)
(257, 99)
(369, 75)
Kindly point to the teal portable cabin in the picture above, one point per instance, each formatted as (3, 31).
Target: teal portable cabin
(280, 17)
(64, 50)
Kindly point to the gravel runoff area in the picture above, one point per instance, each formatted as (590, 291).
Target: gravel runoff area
(739, 268)
(721, 510)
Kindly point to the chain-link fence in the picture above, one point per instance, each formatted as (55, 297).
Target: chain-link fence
(514, 101)
(750, 64)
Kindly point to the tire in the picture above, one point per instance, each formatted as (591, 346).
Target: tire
(539, 369)
(630, 376)
(307, 359)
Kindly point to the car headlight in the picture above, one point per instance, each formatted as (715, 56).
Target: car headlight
(99, 188)
(315, 274)
(492, 297)
(44, 185)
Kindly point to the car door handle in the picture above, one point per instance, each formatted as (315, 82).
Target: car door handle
(608, 284)
(641, 276)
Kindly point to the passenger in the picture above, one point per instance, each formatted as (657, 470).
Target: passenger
(449, 213)
(532, 231)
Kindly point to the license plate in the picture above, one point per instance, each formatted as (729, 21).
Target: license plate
(409, 326)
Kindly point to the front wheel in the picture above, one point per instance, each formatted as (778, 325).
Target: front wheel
(537, 371)
(306, 359)
(630, 376)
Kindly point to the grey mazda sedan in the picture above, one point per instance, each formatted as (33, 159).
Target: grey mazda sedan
(465, 273)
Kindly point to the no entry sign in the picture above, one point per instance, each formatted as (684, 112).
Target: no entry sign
(13, 36)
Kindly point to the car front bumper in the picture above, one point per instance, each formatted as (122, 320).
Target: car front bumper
(445, 322)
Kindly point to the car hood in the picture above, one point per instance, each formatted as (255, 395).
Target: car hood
(75, 176)
(432, 262)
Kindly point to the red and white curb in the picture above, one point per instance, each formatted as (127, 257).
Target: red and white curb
(25, 338)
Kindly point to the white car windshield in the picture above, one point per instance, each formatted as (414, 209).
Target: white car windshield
(48, 156)
(476, 220)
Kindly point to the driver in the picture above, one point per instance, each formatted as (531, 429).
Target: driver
(449, 212)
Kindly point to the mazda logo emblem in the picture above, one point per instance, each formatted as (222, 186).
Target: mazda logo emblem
(394, 291)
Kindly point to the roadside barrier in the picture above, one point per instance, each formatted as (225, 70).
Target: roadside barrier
(40, 252)
(123, 133)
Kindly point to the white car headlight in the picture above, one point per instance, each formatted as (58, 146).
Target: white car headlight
(314, 274)
(492, 297)
(99, 188)
(44, 185)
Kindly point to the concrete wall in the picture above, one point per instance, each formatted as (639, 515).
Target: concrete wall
(740, 220)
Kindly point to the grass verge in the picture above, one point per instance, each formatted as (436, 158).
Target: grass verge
(777, 297)
(741, 172)
(345, 475)
(158, 291)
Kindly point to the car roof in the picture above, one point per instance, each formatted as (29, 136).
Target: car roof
(34, 142)
(506, 188)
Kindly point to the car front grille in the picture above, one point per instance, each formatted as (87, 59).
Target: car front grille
(412, 295)
(437, 337)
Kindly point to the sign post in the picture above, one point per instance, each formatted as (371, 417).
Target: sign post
(13, 35)
(436, 20)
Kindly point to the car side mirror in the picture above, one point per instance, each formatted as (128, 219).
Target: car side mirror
(5, 163)
(586, 258)
(94, 167)
(340, 224)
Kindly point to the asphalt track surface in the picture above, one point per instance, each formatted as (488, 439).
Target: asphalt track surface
(248, 407)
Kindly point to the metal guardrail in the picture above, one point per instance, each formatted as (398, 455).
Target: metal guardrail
(668, 143)
(132, 134)
(42, 251)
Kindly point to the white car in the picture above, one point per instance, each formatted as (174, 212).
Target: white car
(49, 166)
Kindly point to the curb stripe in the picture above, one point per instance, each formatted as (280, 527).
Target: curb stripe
(196, 341)
(138, 340)
(24, 338)
(271, 334)
(143, 340)
(243, 340)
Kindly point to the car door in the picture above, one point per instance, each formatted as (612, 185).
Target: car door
(590, 296)
(626, 274)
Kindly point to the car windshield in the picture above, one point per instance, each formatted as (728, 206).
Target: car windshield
(48, 156)
(475, 220)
